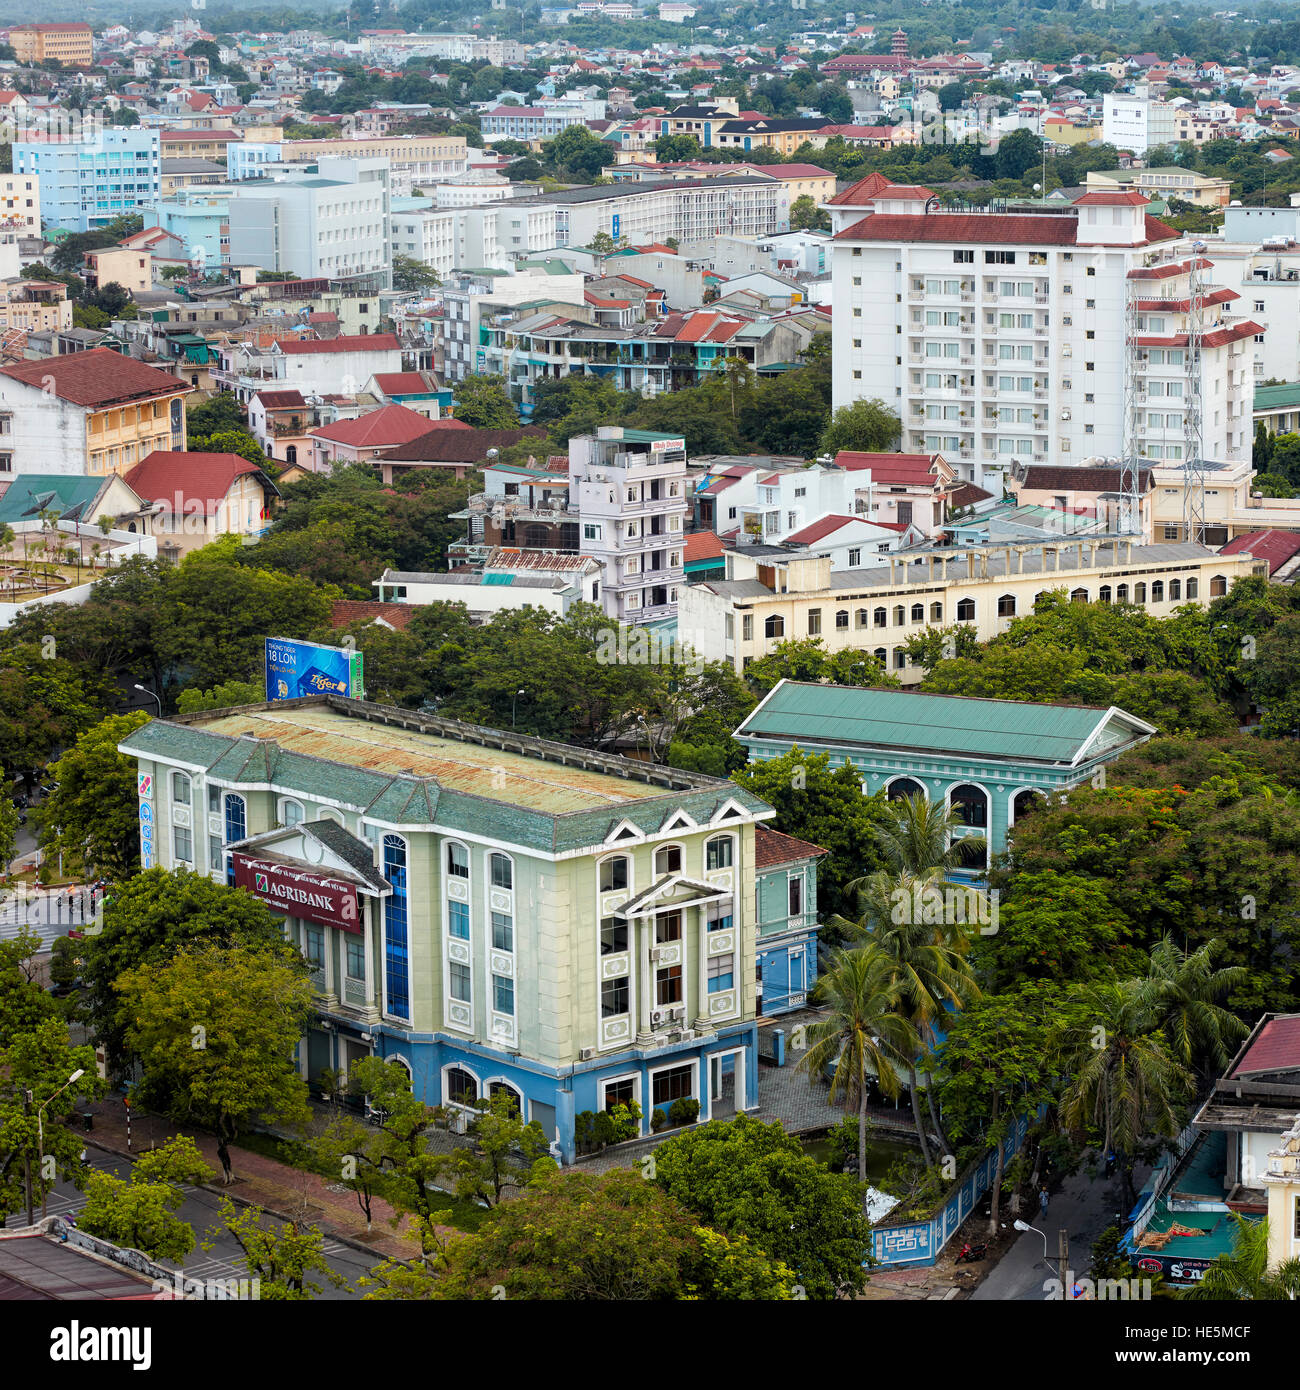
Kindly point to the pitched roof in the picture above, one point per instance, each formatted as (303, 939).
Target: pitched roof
(892, 468)
(181, 479)
(1095, 478)
(406, 383)
(1276, 1048)
(701, 546)
(983, 229)
(390, 424)
(345, 342)
(1277, 547)
(345, 611)
(459, 445)
(97, 377)
(821, 528)
(281, 400)
(862, 192)
(771, 848)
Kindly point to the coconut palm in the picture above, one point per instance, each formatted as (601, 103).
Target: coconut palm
(917, 835)
(1123, 1080)
(863, 1032)
(1244, 1275)
(1182, 987)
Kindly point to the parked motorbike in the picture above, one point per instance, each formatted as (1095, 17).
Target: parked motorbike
(969, 1253)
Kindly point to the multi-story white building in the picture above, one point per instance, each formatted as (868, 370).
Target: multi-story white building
(85, 184)
(629, 489)
(469, 297)
(493, 236)
(1001, 336)
(20, 204)
(325, 224)
(1136, 122)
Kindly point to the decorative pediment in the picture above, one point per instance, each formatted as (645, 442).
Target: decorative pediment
(728, 810)
(623, 832)
(663, 895)
(322, 846)
(678, 820)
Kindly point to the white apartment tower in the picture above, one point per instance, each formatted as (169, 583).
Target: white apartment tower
(1002, 336)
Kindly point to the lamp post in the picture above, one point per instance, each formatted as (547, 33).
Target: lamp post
(1025, 1226)
(40, 1134)
(144, 689)
(514, 700)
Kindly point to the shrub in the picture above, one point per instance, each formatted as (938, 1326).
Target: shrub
(584, 1131)
(659, 1120)
(626, 1120)
(684, 1111)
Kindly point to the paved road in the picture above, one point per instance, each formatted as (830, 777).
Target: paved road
(200, 1209)
(1083, 1206)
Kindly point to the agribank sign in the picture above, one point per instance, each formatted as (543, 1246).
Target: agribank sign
(331, 902)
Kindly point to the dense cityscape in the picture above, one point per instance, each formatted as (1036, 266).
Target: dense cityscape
(643, 656)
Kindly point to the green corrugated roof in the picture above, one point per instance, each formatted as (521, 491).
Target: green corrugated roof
(850, 716)
(29, 493)
(1275, 397)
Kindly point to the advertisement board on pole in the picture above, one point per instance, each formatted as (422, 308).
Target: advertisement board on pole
(295, 669)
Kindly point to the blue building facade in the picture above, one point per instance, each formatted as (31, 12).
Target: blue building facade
(87, 183)
(787, 919)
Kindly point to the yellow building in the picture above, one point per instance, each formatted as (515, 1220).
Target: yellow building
(1185, 184)
(34, 305)
(1069, 130)
(71, 44)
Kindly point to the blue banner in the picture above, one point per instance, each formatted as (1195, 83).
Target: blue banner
(297, 669)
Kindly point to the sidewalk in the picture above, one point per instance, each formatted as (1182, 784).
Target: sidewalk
(290, 1194)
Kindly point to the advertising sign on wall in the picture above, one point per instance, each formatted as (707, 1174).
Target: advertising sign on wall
(312, 897)
(295, 669)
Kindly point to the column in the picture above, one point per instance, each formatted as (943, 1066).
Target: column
(330, 940)
(702, 972)
(644, 927)
(369, 910)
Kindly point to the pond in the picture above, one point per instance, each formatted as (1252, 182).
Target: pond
(882, 1154)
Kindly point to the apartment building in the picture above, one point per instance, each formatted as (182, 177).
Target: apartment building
(1000, 336)
(324, 224)
(473, 296)
(34, 305)
(768, 599)
(528, 123)
(502, 916)
(20, 204)
(200, 220)
(70, 44)
(91, 412)
(85, 184)
(1137, 122)
(686, 210)
(1186, 185)
(629, 490)
(413, 160)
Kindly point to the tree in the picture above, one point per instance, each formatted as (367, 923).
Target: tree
(139, 1212)
(862, 1031)
(225, 696)
(745, 1178)
(1183, 988)
(24, 1005)
(37, 1146)
(151, 917)
(216, 415)
(677, 149)
(1017, 153)
(482, 1172)
(482, 402)
(9, 825)
(92, 816)
(915, 835)
(580, 1236)
(216, 1029)
(1245, 1276)
(866, 426)
(45, 702)
(411, 275)
(805, 215)
(952, 96)
(283, 1255)
(578, 155)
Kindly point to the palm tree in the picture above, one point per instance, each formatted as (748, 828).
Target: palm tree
(863, 1033)
(1122, 1079)
(918, 835)
(1181, 988)
(1244, 1276)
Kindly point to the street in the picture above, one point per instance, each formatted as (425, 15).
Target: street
(1083, 1206)
(200, 1209)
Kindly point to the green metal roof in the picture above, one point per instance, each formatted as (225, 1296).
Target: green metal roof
(848, 716)
(1275, 397)
(31, 493)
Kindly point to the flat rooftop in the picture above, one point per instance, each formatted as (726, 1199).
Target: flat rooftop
(516, 779)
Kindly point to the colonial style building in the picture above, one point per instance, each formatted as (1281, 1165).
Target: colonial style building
(787, 919)
(497, 912)
(989, 760)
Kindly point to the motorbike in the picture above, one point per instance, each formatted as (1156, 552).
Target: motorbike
(969, 1253)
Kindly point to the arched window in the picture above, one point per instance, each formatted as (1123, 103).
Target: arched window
(291, 812)
(1218, 585)
(503, 871)
(900, 658)
(900, 615)
(864, 618)
(1157, 591)
(902, 787)
(936, 612)
(966, 610)
(180, 789)
(1175, 590)
(880, 617)
(718, 853)
(1103, 594)
(236, 819)
(1121, 593)
(971, 857)
(918, 612)
(291, 453)
(1078, 596)
(1025, 802)
(1007, 606)
(397, 965)
(613, 874)
(461, 1088)
(969, 804)
(774, 625)
(881, 655)
(668, 859)
(457, 861)
(504, 1088)
(1193, 588)
(1139, 593)
(842, 617)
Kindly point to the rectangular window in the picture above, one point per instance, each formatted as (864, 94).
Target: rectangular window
(673, 1084)
(183, 844)
(613, 935)
(214, 852)
(814, 621)
(503, 994)
(356, 957)
(747, 627)
(503, 931)
(668, 985)
(459, 981)
(614, 997)
(458, 920)
(613, 875)
(796, 897)
(721, 973)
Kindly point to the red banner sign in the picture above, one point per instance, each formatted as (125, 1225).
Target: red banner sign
(331, 902)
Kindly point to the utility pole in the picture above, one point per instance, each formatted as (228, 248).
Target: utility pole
(27, 1163)
(1063, 1255)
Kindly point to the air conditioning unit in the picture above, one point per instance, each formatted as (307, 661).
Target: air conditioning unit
(586, 1054)
(658, 1017)
(656, 953)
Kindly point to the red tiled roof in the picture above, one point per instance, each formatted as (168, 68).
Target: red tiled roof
(913, 192)
(772, 848)
(1101, 199)
(702, 545)
(345, 611)
(181, 479)
(982, 229)
(821, 528)
(916, 468)
(861, 193)
(1276, 1048)
(281, 400)
(98, 377)
(346, 342)
(458, 445)
(1165, 272)
(403, 384)
(1277, 547)
(390, 424)
(1181, 306)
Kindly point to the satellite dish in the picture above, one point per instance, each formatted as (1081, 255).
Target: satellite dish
(494, 453)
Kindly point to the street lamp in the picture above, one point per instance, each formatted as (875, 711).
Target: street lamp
(40, 1131)
(145, 690)
(514, 700)
(1025, 1226)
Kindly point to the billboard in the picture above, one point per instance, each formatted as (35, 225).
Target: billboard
(312, 897)
(295, 669)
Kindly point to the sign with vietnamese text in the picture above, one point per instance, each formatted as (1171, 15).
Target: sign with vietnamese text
(312, 897)
(297, 669)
